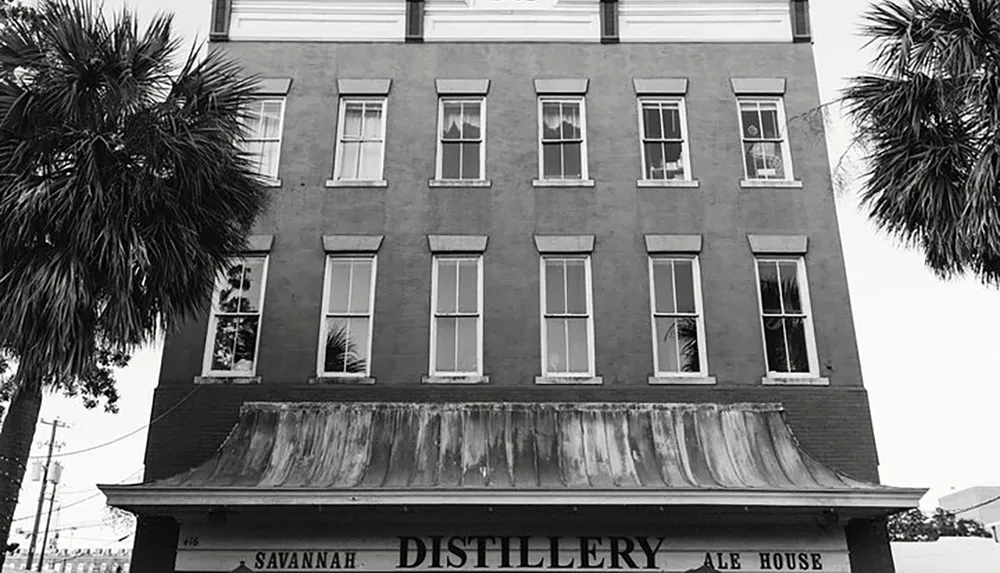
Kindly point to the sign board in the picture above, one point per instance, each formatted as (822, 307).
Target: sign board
(198, 551)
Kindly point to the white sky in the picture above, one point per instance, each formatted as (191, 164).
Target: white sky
(926, 345)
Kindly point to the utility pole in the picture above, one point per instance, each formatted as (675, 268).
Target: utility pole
(56, 424)
(56, 475)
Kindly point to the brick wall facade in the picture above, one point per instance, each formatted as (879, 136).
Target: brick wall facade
(833, 423)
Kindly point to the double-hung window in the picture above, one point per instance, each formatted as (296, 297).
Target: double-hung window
(765, 142)
(567, 317)
(678, 328)
(664, 139)
(234, 323)
(461, 139)
(789, 346)
(360, 139)
(263, 119)
(348, 304)
(457, 316)
(562, 138)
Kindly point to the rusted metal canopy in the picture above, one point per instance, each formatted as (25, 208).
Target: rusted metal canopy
(546, 453)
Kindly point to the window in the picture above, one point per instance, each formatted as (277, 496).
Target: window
(562, 138)
(234, 324)
(263, 121)
(789, 346)
(456, 316)
(461, 149)
(765, 147)
(346, 329)
(360, 139)
(678, 329)
(567, 317)
(664, 139)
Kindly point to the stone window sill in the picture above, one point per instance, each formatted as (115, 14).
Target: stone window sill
(770, 184)
(225, 379)
(775, 380)
(681, 183)
(437, 379)
(356, 183)
(341, 380)
(572, 380)
(266, 182)
(459, 183)
(682, 380)
(563, 183)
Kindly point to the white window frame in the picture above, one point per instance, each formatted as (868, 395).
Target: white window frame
(432, 368)
(685, 143)
(699, 319)
(325, 314)
(213, 320)
(584, 170)
(340, 135)
(786, 153)
(806, 308)
(281, 131)
(588, 287)
(482, 136)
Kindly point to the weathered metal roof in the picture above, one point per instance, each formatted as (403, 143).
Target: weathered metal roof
(362, 452)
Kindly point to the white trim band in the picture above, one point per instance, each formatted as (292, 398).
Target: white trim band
(138, 496)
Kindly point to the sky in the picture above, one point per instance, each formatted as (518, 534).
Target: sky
(928, 347)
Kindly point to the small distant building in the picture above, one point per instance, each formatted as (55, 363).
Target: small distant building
(73, 561)
(980, 503)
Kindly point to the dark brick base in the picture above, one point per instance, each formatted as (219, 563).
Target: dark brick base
(868, 541)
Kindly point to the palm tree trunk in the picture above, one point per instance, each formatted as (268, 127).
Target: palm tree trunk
(15, 444)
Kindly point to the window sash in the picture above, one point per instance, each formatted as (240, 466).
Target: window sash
(217, 316)
(661, 104)
(348, 315)
(758, 106)
(461, 142)
(804, 315)
(696, 315)
(360, 140)
(562, 141)
(251, 138)
(565, 317)
(438, 317)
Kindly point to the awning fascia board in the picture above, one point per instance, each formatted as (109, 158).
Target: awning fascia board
(131, 497)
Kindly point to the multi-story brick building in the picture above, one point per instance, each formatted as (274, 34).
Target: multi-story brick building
(545, 284)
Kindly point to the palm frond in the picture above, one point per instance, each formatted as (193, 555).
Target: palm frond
(122, 185)
(928, 117)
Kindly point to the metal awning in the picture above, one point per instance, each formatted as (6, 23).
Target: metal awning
(365, 453)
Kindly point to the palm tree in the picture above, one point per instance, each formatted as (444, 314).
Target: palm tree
(122, 194)
(928, 119)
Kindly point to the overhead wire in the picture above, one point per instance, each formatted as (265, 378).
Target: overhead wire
(976, 506)
(79, 501)
(167, 412)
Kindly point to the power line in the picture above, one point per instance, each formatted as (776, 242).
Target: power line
(122, 437)
(977, 506)
(79, 501)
